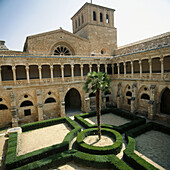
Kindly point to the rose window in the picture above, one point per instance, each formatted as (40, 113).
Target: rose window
(62, 50)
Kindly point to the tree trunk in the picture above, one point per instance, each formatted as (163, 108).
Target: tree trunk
(98, 111)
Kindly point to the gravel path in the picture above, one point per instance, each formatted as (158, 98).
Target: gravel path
(110, 119)
(156, 146)
(41, 138)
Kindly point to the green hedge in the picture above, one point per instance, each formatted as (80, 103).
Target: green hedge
(110, 149)
(14, 161)
(129, 155)
(136, 121)
(95, 161)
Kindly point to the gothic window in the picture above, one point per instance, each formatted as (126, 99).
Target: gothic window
(62, 51)
(101, 17)
(94, 16)
(107, 18)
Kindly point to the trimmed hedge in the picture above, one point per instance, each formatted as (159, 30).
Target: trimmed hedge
(14, 161)
(95, 161)
(136, 121)
(129, 155)
(110, 149)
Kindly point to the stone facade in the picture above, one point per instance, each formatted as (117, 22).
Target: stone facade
(46, 79)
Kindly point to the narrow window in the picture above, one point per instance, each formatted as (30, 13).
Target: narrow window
(82, 19)
(76, 24)
(107, 18)
(94, 16)
(27, 112)
(101, 17)
(79, 21)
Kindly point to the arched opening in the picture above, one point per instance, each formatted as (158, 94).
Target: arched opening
(128, 96)
(3, 107)
(72, 101)
(129, 93)
(26, 103)
(165, 102)
(156, 65)
(85, 69)
(128, 67)
(94, 16)
(50, 100)
(67, 70)
(101, 17)
(56, 71)
(145, 96)
(136, 67)
(115, 68)
(33, 72)
(121, 67)
(145, 66)
(94, 67)
(6, 72)
(167, 64)
(46, 71)
(21, 73)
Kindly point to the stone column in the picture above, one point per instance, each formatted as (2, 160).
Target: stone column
(98, 67)
(90, 67)
(72, 72)
(134, 98)
(152, 106)
(132, 68)
(124, 69)
(27, 72)
(81, 67)
(62, 103)
(40, 74)
(0, 77)
(118, 69)
(162, 68)
(140, 68)
(62, 72)
(119, 93)
(14, 73)
(105, 68)
(51, 69)
(15, 117)
(40, 105)
(150, 68)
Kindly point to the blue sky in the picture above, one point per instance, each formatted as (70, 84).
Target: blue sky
(134, 19)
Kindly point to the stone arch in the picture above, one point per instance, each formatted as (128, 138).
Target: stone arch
(164, 101)
(62, 44)
(73, 100)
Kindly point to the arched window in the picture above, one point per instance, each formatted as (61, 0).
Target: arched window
(82, 19)
(145, 96)
(107, 18)
(79, 21)
(76, 24)
(94, 16)
(101, 17)
(26, 103)
(50, 100)
(129, 93)
(3, 107)
(62, 50)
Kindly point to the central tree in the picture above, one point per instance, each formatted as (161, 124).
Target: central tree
(96, 83)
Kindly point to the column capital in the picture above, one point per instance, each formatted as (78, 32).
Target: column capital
(140, 61)
(72, 65)
(90, 65)
(150, 61)
(39, 67)
(124, 63)
(161, 60)
(81, 65)
(131, 62)
(13, 67)
(62, 66)
(118, 64)
(27, 67)
(51, 67)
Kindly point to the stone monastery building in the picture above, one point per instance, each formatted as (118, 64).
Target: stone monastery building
(46, 79)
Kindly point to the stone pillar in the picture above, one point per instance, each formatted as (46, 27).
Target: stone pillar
(150, 68)
(62, 72)
(124, 69)
(152, 106)
(14, 73)
(162, 68)
(90, 67)
(134, 98)
(13, 110)
(132, 68)
(119, 94)
(62, 103)
(81, 67)
(0, 77)
(27, 72)
(72, 72)
(113, 69)
(140, 68)
(40, 74)
(51, 69)
(98, 67)
(105, 68)
(118, 69)
(87, 104)
(40, 105)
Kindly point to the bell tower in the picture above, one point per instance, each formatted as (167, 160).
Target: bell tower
(96, 23)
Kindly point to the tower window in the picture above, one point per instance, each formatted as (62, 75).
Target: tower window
(94, 16)
(107, 18)
(101, 17)
(82, 19)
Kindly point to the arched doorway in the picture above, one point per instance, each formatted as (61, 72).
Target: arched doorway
(165, 100)
(72, 101)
